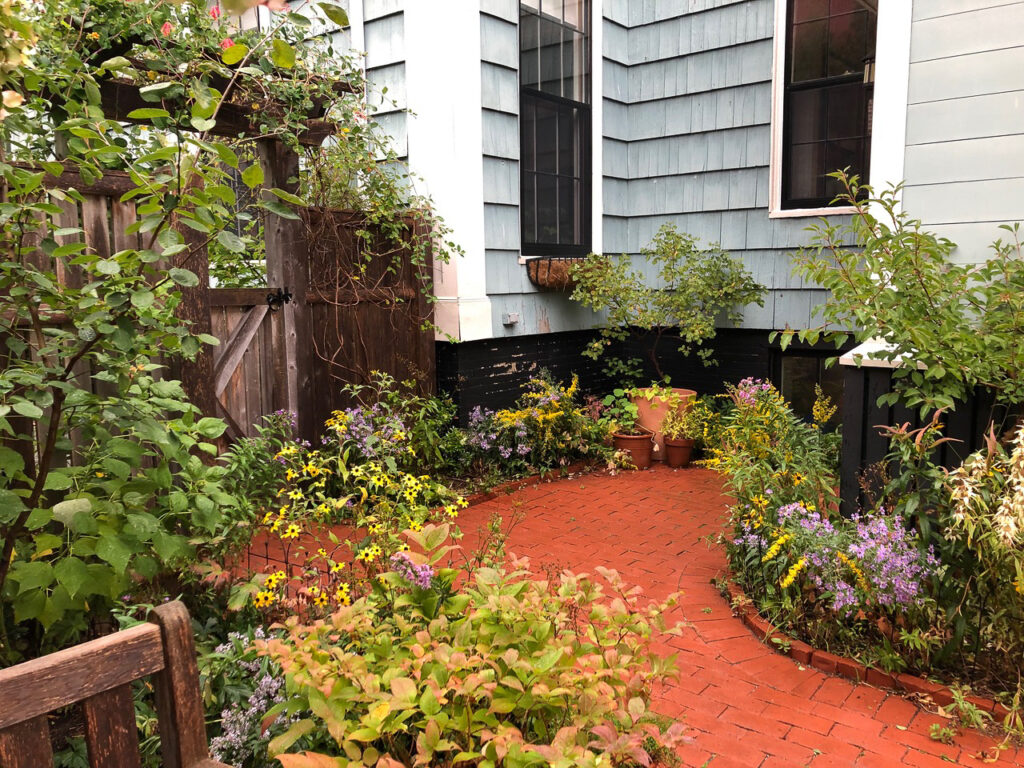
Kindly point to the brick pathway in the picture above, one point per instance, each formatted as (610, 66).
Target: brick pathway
(745, 705)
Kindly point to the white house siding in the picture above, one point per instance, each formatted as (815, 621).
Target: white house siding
(383, 23)
(964, 162)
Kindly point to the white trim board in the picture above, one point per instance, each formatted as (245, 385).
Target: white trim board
(889, 115)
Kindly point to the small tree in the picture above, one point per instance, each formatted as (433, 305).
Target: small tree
(957, 326)
(696, 288)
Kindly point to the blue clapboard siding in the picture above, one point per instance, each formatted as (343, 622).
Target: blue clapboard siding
(699, 108)
(686, 111)
(964, 164)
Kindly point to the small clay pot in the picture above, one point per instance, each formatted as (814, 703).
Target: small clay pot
(638, 446)
(677, 452)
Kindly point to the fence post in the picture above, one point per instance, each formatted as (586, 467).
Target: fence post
(196, 375)
(287, 267)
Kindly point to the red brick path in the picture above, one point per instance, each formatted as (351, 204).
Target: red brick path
(745, 704)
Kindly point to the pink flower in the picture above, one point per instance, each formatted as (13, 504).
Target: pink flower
(226, 43)
(166, 29)
(215, 12)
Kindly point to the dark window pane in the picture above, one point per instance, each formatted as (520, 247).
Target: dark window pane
(567, 234)
(550, 57)
(847, 44)
(827, 104)
(845, 6)
(846, 111)
(529, 61)
(799, 375)
(566, 144)
(546, 137)
(805, 171)
(806, 116)
(547, 209)
(845, 153)
(806, 10)
(529, 215)
(810, 43)
(527, 140)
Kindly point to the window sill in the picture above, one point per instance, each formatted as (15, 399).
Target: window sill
(800, 213)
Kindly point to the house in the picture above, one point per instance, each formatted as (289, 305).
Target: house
(562, 127)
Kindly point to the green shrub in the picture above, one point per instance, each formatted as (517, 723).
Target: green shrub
(695, 289)
(960, 322)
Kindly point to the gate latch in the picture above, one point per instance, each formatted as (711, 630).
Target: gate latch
(277, 300)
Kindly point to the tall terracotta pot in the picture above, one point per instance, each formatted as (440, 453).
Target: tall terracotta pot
(653, 412)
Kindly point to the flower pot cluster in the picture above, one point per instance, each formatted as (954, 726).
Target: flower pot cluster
(653, 424)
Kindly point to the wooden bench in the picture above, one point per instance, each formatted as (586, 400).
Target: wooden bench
(99, 674)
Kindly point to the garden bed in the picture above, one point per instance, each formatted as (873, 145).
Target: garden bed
(830, 663)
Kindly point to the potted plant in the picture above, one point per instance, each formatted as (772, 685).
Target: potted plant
(679, 437)
(622, 415)
(654, 404)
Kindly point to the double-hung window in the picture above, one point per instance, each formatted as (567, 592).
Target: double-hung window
(826, 90)
(554, 122)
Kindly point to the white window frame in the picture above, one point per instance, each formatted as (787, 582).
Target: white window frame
(775, 209)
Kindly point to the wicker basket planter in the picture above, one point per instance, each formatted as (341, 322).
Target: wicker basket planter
(552, 272)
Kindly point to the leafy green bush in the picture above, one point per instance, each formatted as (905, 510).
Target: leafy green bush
(768, 455)
(503, 670)
(695, 289)
(960, 322)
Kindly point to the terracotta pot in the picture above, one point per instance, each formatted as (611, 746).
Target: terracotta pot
(653, 412)
(677, 452)
(639, 448)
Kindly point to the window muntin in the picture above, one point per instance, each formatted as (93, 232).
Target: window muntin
(830, 48)
(554, 121)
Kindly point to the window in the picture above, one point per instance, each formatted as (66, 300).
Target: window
(798, 374)
(826, 89)
(554, 124)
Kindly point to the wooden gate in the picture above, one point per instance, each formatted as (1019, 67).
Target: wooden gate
(293, 356)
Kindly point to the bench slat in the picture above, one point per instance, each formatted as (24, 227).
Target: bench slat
(110, 730)
(179, 705)
(26, 744)
(39, 686)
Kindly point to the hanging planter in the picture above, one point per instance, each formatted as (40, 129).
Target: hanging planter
(552, 272)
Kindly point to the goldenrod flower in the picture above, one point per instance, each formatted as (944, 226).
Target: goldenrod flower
(794, 570)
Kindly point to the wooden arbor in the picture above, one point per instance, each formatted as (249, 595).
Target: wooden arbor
(99, 674)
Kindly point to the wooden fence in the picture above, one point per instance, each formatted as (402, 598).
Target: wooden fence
(293, 356)
(865, 445)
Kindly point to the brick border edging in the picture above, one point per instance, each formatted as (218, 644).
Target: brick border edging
(832, 664)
